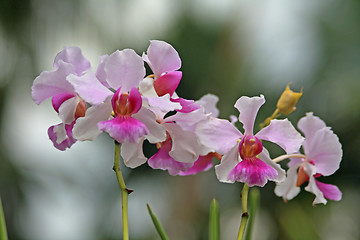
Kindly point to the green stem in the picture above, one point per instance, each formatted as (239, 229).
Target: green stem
(245, 215)
(3, 232)
(124, 191)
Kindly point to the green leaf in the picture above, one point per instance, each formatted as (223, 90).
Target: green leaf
(157, 224)
(214, 221)
(3, 232)
(253, 206)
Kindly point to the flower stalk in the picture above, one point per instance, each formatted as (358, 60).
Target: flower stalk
(124, 191)
(245, 215)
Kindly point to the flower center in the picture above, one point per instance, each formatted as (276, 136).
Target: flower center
(126, 104)
(80, 109)
(250, 146)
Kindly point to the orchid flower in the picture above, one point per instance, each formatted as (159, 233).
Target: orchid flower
(65, 99)
(322, 157)
(115, 113)
(244, 157)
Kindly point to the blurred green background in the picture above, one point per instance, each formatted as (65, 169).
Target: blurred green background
(229, 48)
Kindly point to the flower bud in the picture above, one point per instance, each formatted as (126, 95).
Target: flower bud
(287, 101)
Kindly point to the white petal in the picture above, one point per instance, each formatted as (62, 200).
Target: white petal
(86, 127)
(146, 88)
(60, 132)
(163, 103)
(208, 102)
(67, 110)
(185, 145)
(157, 131)
(132, 153)
(265, 157)
(310, 124)
(228, 163)
(288, 189)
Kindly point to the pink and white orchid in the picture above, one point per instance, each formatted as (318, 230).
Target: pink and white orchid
(65, 99)
(111, 112)
(244, 157)
(322, 157)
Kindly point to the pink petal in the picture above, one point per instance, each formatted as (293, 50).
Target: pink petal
(203, 163)
(162, 160)
(100, 71)
(186, 105)
(283, 134)
(185, 145)
(61, 136)
(162, 57)
(73, 56)
(288, 189)
(248, 108)
(89, 88)
(208, 102)
(218, 134)
(265, 157)
(227, 164)
(330, 191)
(325, 150)
(157, 132)
(167, 83)
(59, 99)
(132, 153)
(124, 129)
(86, 128)
(52, 83)
(163, 103)
(146, 88)
(253, 172)
(124, 69)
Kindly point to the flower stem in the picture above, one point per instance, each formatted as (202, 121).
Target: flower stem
(283, 157)
(245, 215)
(124, 191)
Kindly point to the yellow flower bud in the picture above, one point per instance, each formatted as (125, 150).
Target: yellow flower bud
(287, 101)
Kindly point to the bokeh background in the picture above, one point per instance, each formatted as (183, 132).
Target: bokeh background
(229, 48)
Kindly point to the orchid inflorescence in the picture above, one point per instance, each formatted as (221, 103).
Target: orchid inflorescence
(119, 99)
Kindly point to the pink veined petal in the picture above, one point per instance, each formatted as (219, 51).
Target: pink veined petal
(310, 124)
(248, 108)
(58, 99)
(203, 164)
(186, 105)
(67, 110)
(162, 57)
(330, 191)
(288, 189)
(227, 164)
(132, 153)
(100, 71)
(135, 100)
(167, 83)
(73, 56)
(313, 188)
(61, 136)
(185, 145)
(187, 121)
(157, 132)
(123, 129)
(89, 88)
(218, 134)
(265, 157)
(325, 150)
(208, 102)
(51, 83)
(86, 127)
(283, 134)
(162, 160)
(253, 172)
(124, 69)
(163, 103)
